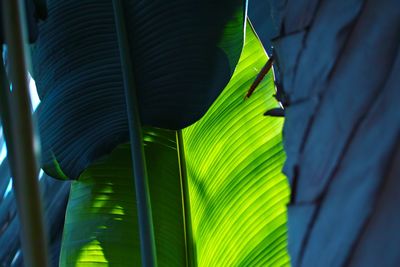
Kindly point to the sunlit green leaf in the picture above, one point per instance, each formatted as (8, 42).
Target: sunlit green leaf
(101, 226)
(234, 158)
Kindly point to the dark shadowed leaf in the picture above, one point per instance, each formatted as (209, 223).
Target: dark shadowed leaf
(183, 53)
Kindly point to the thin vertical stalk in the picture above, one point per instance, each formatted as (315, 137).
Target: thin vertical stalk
(191, 257)
(146, 231)
(20, 141)
(5, 95)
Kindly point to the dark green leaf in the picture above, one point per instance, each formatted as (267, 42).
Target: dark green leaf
(183, 53)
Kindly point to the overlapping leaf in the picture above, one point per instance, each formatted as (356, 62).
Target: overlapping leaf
(101, 224)
(234, 158)
(183, 55)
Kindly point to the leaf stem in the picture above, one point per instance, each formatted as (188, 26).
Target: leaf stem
(20, 137)
(146, 229)
(191, 256)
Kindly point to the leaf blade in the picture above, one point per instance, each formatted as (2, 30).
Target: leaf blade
(234, 158)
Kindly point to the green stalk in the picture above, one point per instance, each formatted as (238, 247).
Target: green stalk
(146, 229)
(190, 245)
(20, 141)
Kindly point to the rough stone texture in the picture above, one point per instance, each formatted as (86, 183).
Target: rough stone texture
(339, 63)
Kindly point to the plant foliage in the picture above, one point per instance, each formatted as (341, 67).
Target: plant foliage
(234, 158)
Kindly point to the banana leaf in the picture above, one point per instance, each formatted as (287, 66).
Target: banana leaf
(183, 55)
(55, 197)
(237, 193)
(101, 226)
(234, 157)
(262, 18)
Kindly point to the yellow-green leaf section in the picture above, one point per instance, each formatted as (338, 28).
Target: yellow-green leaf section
(101, 226)
(234, 157)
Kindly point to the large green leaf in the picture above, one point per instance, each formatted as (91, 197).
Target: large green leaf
(183, 54)
(234, 157)
(101, 226)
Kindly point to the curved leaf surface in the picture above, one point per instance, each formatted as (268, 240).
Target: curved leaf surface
(234, 158)
(183, 54)
(101, 226)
